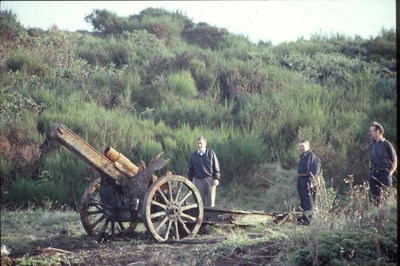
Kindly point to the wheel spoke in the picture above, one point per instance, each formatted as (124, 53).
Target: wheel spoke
(176, 230)
(184, 226)
(95, 205)
(121, 226)
(94, 212)
(93, 225)
(188, 207)
(187, 196)
(157, 214)
(168, 229)
(112, 228)
(170, 190)
(159, 204)
(179, 191)
(194, 219)
(163, 195)
(161, 223)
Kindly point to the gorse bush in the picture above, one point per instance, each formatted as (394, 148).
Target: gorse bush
(106, 22)
(182, 84)
(136, 49)
(26, 62)
(163, 24)
(203, 75)
(9, 24)
(205, 36)
(176, 113)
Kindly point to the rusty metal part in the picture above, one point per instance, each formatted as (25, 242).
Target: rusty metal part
(214, 215)
(93, 187)
(139, 184)
(115, 156)
(172, 209)
(86, 152)
(124, 164)
(93, 216)
(296, 217)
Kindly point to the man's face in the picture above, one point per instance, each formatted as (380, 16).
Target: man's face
(201, 144)
(303, 147)
(373, 133)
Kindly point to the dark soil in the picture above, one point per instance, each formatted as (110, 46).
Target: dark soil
(141, 250)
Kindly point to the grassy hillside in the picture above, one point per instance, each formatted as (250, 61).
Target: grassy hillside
(153, 81)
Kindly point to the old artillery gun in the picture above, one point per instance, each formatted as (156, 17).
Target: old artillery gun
(170, 206)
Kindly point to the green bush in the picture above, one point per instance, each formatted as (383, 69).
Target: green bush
(380, 48)
(203, 76)
(24, 192)
(64, 177)
(13, 104)
(26, 62)
(178, 146)
(9, 24)
(205, 36)
(148, 149)
(116, 51)
(182, 84)
(106, 22)
(6, 167)
(175, 113)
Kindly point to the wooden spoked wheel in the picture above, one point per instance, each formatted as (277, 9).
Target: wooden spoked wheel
(91, 211)
(172, 209)
(93, 217)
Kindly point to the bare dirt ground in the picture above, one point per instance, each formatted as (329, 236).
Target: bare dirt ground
(205, 249)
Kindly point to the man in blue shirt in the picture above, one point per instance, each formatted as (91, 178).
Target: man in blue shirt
(204, 171)
(308, 168)
(383, 163)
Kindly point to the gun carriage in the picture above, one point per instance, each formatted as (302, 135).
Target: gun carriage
(170, 206)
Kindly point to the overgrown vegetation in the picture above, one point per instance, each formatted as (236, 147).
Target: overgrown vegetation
(152, 82)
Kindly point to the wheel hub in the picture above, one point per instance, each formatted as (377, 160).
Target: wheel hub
(173, 210)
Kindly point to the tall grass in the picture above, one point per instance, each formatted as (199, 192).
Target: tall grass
(176, 112)
(351, 231)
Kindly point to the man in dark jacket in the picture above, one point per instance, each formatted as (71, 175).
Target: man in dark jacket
(204, 171)
(309, 167)
(383, 162)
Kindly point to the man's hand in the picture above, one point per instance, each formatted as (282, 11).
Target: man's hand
(216, 182)
(313, 182)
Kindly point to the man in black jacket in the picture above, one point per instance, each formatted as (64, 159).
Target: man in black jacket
(383, 162)
(308, 168)
(204, 171)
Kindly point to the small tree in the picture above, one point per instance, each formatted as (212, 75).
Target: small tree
(9, 24)
(105, 21)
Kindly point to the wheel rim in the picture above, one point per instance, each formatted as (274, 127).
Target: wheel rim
(91, 211)
(92, 217)
(172, 209)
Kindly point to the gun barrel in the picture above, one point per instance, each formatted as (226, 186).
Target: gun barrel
(85, 151)
(115, 156)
